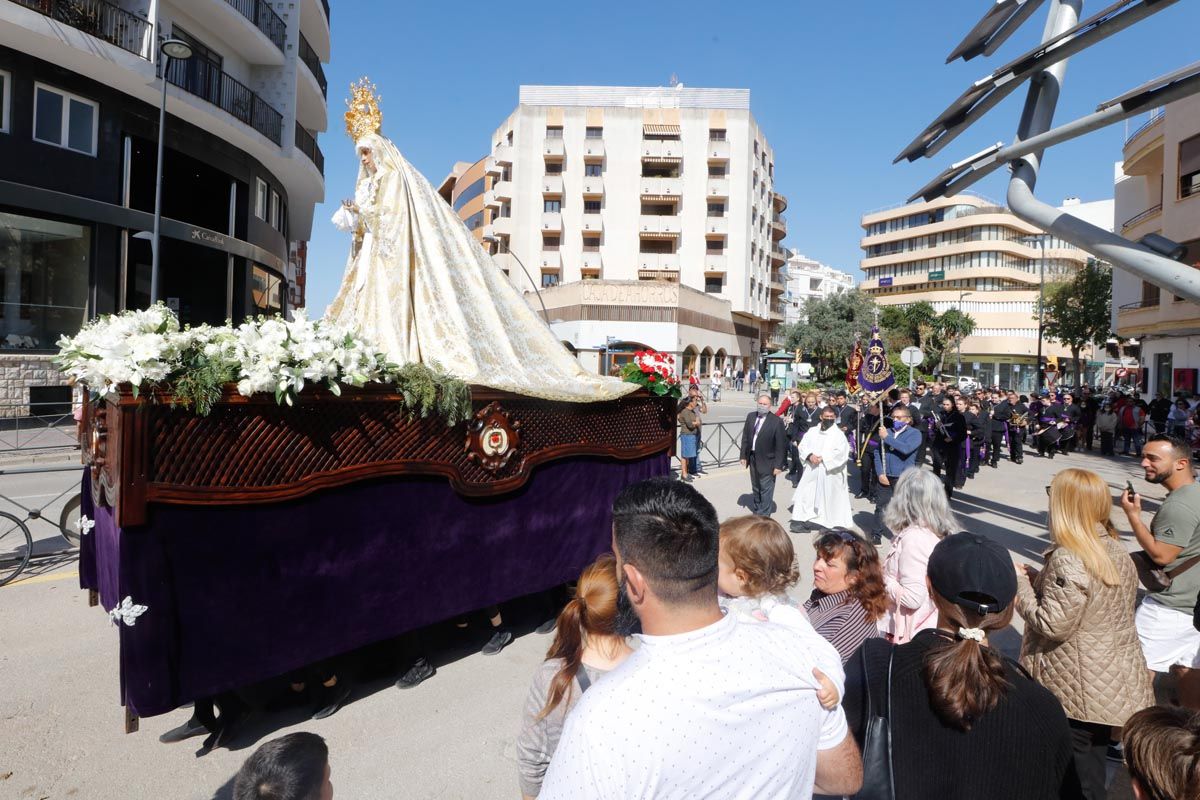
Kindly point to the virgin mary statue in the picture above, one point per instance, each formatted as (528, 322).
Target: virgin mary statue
(422, 288)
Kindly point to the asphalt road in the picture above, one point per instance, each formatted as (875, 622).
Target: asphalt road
(452, 737)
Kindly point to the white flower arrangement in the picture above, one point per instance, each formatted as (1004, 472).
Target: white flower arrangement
(265, 354)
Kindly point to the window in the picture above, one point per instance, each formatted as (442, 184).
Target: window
(266, 291)
(1150, 294)
(591, 206)
(64, 120)
(716, 209)
(553, 131)
(260, 199)
(756, 147)
(552, 205)
(468, 194)
(550, 243)
(714, 284)
(716, 171)
(5, 84)
(44, 266)
(716, 134)
(549, 279)
(591, 244)
(1189, 167)
(554, 168)
(714, 247)
(474, 221)
(275, 210)
(593, 170)
(594, 133)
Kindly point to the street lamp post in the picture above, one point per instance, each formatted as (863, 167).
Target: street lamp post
(170, 48)
(1041, 311)
(961, 295)
(536, 290)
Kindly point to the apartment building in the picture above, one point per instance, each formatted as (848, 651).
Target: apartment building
(1158, 191)
(628, 185)
(242, 172)
(807, 278)
(463, 189)
(969, 253)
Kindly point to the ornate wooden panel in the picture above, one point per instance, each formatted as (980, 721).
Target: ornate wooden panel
(251, 450)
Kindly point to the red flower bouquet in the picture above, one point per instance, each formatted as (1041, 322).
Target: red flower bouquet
(653, 370)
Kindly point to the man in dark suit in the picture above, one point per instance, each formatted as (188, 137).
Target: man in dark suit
(764, 451)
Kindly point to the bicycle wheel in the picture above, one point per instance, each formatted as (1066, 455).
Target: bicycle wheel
(68, 520)
(16, 545)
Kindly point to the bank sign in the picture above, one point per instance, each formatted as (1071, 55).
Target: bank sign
(885, 281)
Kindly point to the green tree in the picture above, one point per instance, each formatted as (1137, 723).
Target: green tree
(949, 329)
(827, 333)
(1077, 312)
(919, 325)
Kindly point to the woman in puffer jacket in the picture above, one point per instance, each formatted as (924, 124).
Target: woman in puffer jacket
(1080, 641)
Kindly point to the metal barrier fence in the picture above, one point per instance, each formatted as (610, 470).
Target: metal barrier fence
(42, 427)
(720, 443)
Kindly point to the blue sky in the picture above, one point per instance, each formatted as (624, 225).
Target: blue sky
(838, 87)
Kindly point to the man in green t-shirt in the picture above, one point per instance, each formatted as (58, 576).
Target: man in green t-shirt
(1164, 620)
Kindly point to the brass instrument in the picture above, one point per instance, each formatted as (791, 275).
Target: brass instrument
(1020, 420)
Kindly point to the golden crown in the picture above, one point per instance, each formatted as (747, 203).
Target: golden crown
(362, 110)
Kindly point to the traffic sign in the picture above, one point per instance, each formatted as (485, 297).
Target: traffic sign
(937, 275)
(911, 356)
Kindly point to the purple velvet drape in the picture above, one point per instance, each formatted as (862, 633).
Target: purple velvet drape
(239, 594)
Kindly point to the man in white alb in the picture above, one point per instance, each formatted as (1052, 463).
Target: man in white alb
(708, 706)
(823, 495)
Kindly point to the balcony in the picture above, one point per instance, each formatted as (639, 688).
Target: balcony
(490, 200)
(662, 149)
(658, 261)
(101, 20)
(715, 262)
(553, 148)
(662, 187)
(593, 148)
(778, 255)
(718, 151)
(778, 227)
(1162, 316)
(503, 154)
(313, 62)
(718, 187)
(503, 190)
(593, 222)
(307, 143)
(492, 167)
(776, 285)
(499, 226)
(552, 184)
(264, 18)
(779, 202)
(551, 221)
(551, 259)
(593, 186)
(590, 260)
(648, 223)
(716, 226)
(1152, 213)
(204, 80)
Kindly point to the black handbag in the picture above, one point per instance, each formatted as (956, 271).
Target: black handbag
(878, 780)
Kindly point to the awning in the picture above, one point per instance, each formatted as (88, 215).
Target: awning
(717, 273)
(660, 130)
(661, 198)
(657, 235)
(661, 159)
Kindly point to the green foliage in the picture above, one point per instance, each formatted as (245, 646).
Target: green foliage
(1078, 312)
(831, 325)
(201, 380)
(921, 326)
(428, 390)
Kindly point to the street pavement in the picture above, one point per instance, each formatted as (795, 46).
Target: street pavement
(452, 737)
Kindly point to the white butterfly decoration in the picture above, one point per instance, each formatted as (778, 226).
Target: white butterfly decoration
(127, 612)
(85, 525)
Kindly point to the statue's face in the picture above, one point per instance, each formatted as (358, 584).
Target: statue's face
(367, 159)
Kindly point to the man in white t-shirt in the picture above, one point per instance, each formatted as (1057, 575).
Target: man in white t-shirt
(708, 706)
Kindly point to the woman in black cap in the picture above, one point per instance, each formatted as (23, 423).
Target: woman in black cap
(966, 722)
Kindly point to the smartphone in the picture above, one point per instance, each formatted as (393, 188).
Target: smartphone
(1129, 491)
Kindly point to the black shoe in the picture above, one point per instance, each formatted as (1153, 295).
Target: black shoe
(193, 727)
(419, 672)
(500, 640)
(226, 727)
(334, 697)
(860, 496)
(799, 527)
(547, 626)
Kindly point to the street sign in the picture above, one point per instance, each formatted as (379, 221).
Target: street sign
(911, 356)
(937, 275)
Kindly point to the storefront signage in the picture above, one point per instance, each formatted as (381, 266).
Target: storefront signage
(885, 281)
(937, 275)
(199, 234)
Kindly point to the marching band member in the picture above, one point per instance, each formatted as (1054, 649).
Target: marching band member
(1009, 416)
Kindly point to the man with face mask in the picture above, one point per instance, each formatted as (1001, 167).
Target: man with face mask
(897, 452)
(764, 451)
(709, 705)
(822, 497)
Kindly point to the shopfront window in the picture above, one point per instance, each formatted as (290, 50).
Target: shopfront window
(266, 290)
(44, 266)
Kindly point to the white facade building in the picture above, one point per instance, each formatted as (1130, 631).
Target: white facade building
(1158, 191)
(629, 184)
(807, 277)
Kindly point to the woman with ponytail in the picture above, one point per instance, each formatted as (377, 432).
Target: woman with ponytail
(586, 646)
(966, 722)
(1080, 640)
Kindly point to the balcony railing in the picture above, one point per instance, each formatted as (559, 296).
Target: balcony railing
(1147, 214)
(313, 62)
(1152, 302)
(102, 20)
(205, 80)
(264, 17)
(1156, 116)
(307, 143)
